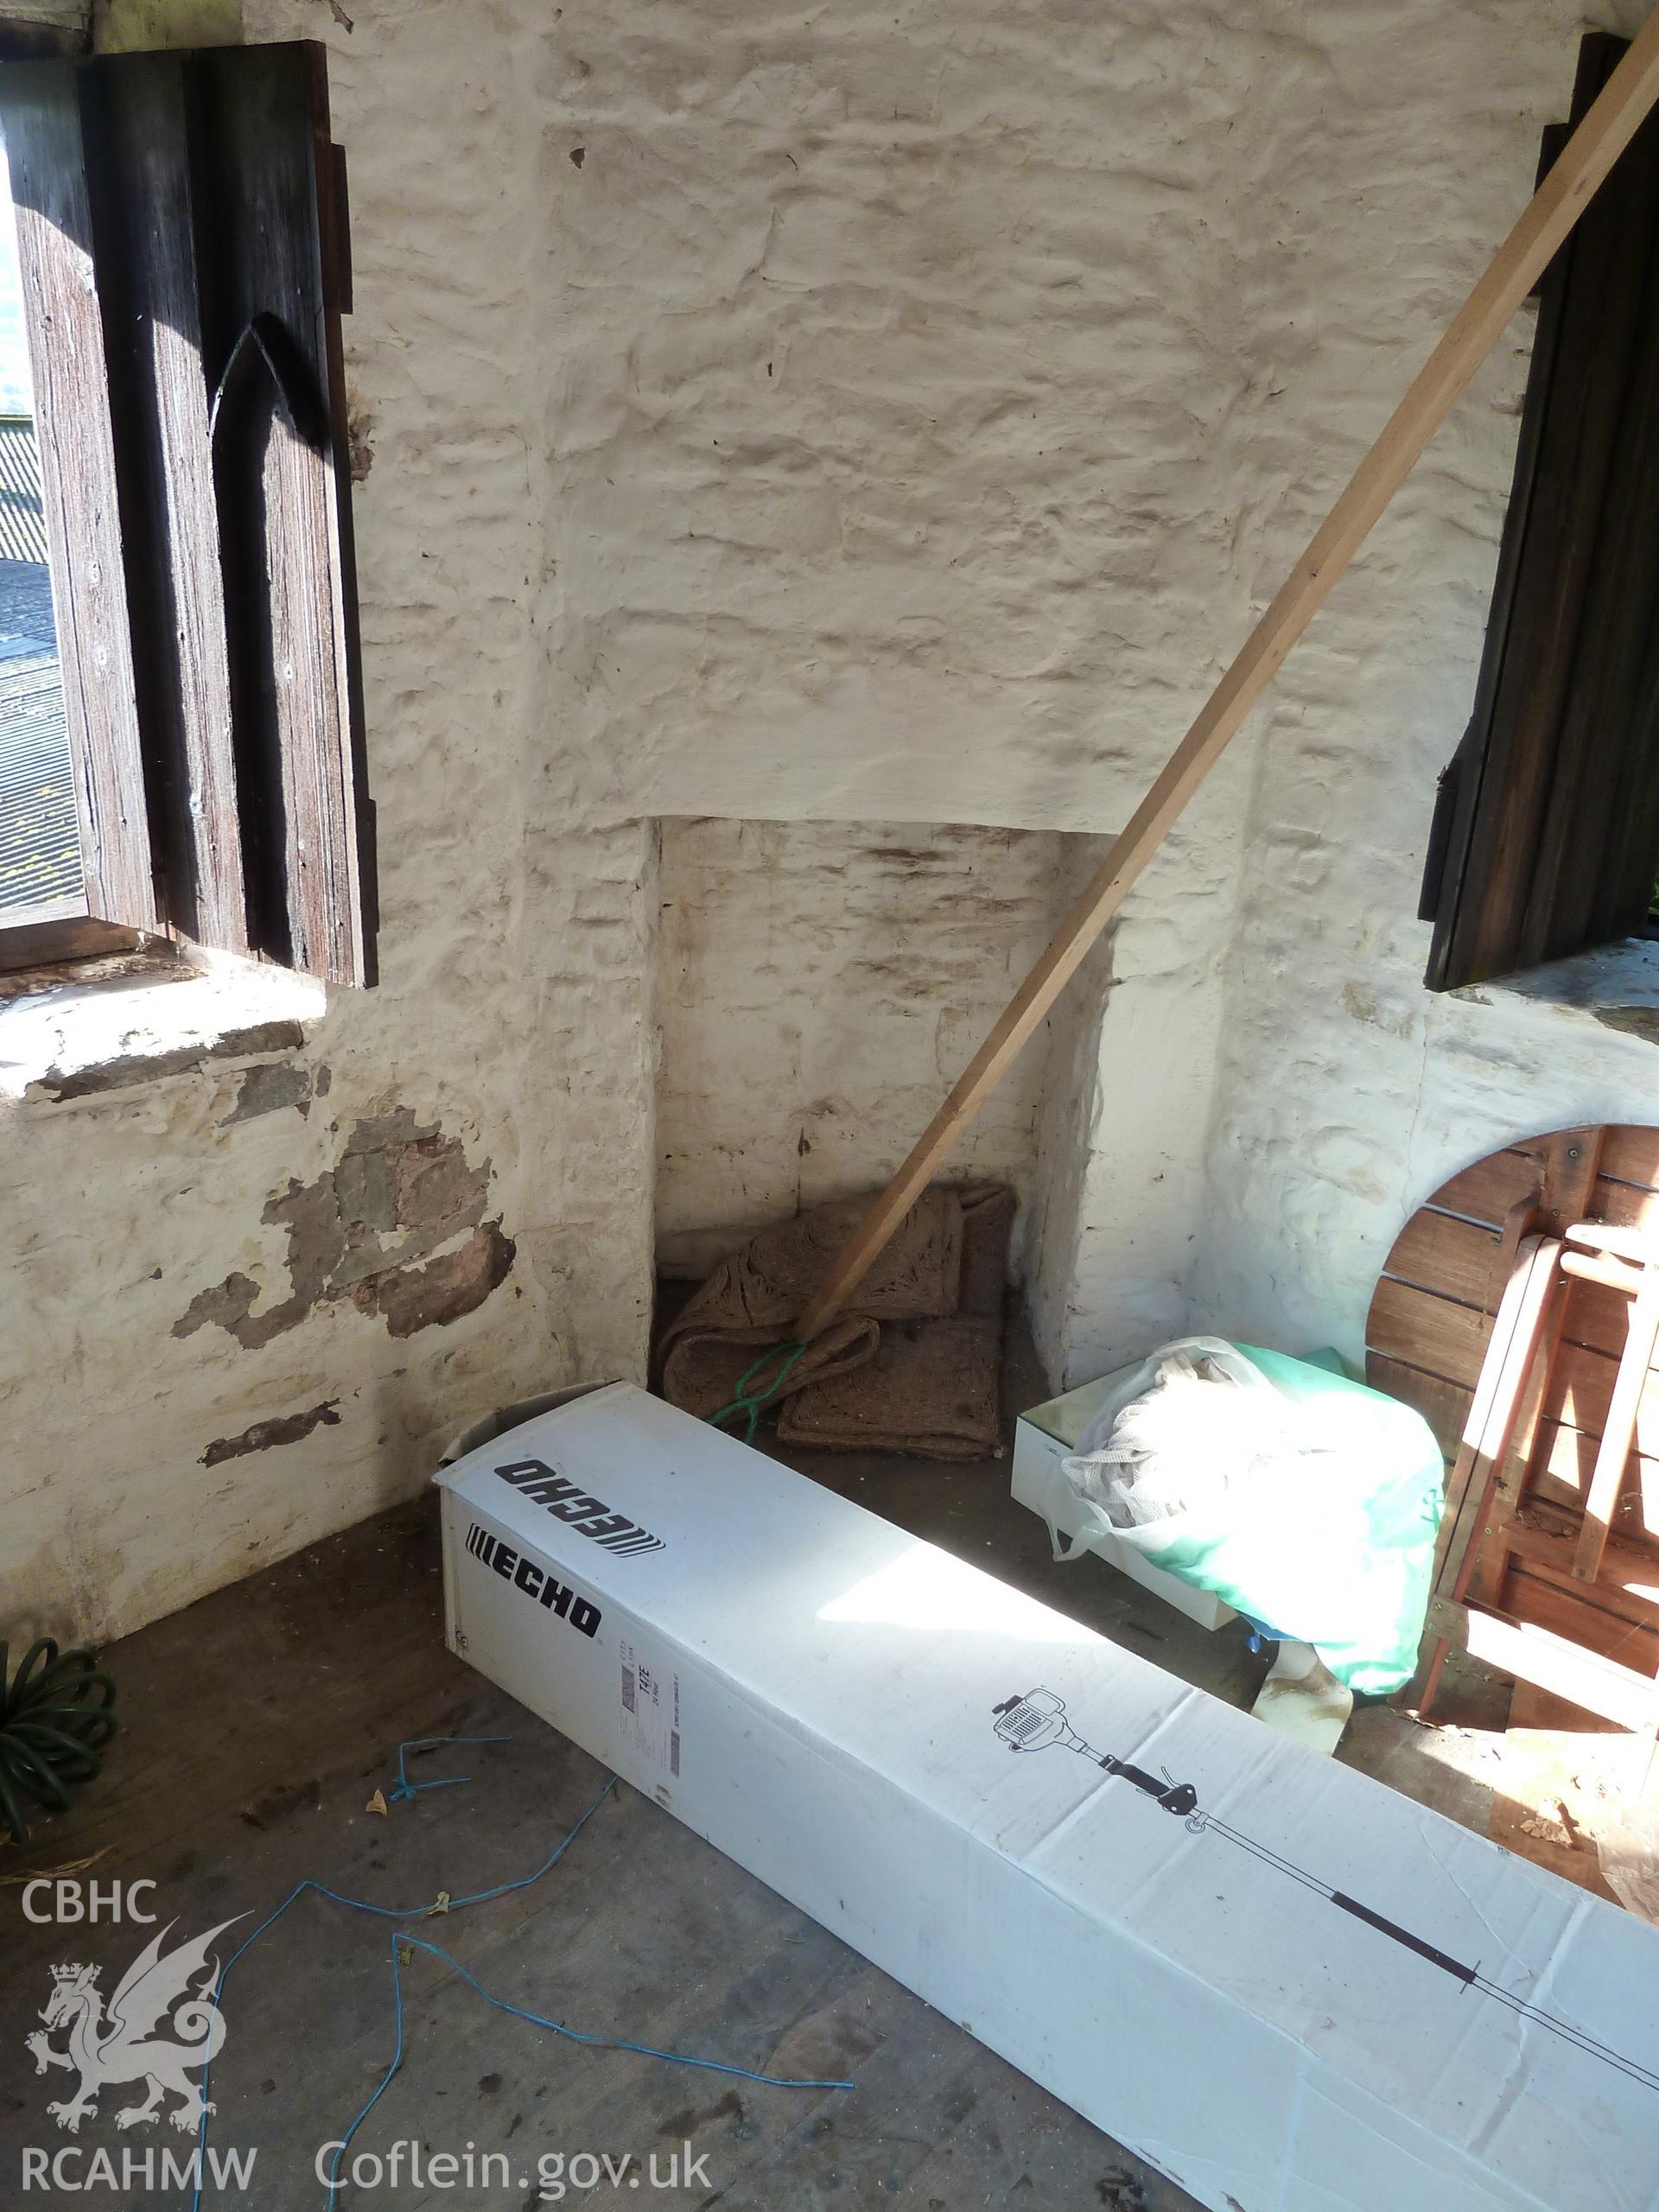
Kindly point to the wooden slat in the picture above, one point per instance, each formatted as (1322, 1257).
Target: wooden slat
(1619, 1431)
(67, 937)
(1523, 1339)
(1575, 894)
(337, 225)
(1572, 1158)
(1511, 1488)
(1596, 1318)
(1619, 889)
(1433, 1334)
(1561, 1474)
(1456, 819)
(271, 333)
(1548, 219)
(1602, 1267)
(1411, 1329)
(1443, 1405)
(1603, 1238)
(40, 115)
(1629, 1584)
(1625, 1203)
(336, 279)
(1534, 1654)
(1581, 1616)
(1450, 1257)
(1486, 1190)
(143, 212)
(1631, 1154)
(1516, 841)
(1561, 1477)
(1583, 1390)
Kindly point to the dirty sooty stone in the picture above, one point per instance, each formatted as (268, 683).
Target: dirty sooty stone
(116, 1075)
(445, 1288)
(290, 1428)
(396, 1226)
(269, 1088)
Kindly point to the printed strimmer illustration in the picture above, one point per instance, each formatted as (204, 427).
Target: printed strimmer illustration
(1036, 1722)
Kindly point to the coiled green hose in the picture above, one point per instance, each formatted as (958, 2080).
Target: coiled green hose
(55, 1721)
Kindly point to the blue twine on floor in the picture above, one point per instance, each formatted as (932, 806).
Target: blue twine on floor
(400, 1940)
(406, 1789)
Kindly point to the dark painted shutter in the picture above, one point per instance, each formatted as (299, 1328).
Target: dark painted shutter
(1545, 837)
(39, 111)
(204, 202)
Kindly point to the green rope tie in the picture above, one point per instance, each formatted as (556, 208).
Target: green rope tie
(753, 1402)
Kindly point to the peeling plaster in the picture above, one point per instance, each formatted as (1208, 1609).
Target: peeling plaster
(289, 1429)
(373, 1230)
(360, 425)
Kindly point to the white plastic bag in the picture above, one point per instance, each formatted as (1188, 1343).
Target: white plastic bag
(1299, 1498)
(1191, 1423)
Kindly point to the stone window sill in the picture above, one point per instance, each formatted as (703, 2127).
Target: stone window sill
(1617, 985)
(72, 1040)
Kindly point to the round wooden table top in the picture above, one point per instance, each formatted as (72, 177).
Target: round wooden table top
(1431, 1316)
(1429, 1327)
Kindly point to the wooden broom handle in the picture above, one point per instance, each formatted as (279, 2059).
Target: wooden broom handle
(1591, 152)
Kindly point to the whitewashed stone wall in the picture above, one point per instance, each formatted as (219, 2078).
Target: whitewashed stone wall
(513, 1016)
(853, 419)
(1344, 1093)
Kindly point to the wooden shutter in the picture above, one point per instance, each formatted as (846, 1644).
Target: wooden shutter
(42, 120)
(1546, 838)
(209, 200)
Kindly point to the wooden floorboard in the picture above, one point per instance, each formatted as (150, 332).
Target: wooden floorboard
(257, 1725)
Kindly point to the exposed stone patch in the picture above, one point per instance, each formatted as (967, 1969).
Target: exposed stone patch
(1634, 1020)
(269, 1087)
(373, 1229)
(408, 1299)
(289, 1429)
(359, 421)
(434, 1187)
(229, 1303)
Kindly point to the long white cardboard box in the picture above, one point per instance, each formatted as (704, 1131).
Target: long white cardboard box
(1285, 1986)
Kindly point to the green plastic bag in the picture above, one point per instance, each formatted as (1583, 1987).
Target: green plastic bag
(1332, 1543)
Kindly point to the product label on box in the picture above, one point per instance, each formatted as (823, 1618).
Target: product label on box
(651, 1708)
